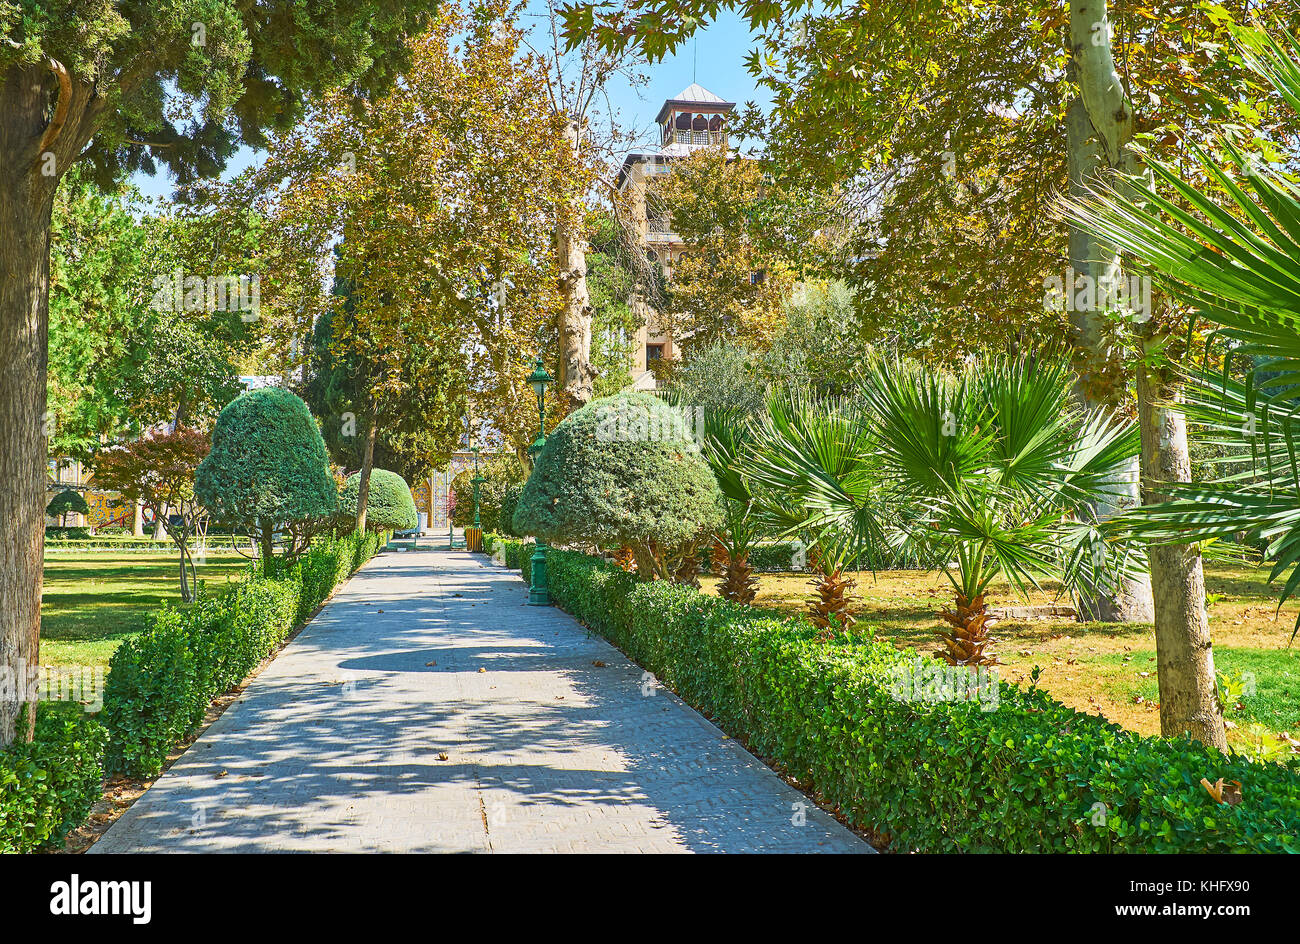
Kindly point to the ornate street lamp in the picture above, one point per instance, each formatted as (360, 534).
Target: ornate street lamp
(538, 594)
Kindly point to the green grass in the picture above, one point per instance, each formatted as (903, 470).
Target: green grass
(1275, 703)
(1094, 667)
(94, 599)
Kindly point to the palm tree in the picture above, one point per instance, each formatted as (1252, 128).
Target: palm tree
(726, 443)
(812, 470)
(1005, 472)
(991, 472)
(1234, 260)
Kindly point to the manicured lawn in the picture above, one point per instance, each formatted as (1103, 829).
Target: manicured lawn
(1092, 666)
(96, 598)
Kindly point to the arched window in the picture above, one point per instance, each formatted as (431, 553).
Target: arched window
(715, 123)
(684, 121)
(700, 123)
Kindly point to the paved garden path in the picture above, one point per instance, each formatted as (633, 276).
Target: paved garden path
(428, 709)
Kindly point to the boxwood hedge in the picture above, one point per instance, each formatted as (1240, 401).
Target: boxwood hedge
(48, 786)
(1031, 775)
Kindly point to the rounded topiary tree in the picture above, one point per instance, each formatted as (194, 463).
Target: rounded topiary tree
(390, 506)
(268, 468)
(622, 471)
(67, 502)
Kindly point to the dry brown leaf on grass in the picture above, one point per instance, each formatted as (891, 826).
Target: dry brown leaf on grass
(1229, 793)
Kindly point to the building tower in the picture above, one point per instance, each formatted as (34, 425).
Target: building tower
(694, 118)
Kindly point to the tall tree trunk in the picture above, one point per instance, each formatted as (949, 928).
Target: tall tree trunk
(187, 569)
(47, 115)
(577, 378)
(137, 519)
(1188, 699)
(429, 520)
(1102, 382)
(26, 200)
(367, 464)
(267, 545)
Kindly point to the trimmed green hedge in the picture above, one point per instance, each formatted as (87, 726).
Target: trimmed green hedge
(126, 543)
(1031, 775)
(47, 787)
(778, 557)
(516, 552)
(161, 682)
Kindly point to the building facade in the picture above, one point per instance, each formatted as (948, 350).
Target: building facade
(692, 119)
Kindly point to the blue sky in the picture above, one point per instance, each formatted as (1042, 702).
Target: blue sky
(714, 58)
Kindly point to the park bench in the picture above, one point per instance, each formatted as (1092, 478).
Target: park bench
(408, 536)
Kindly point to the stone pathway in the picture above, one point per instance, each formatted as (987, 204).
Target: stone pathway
(428, 709)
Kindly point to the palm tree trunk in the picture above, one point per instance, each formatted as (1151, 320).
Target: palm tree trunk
(833, 600)
(967, 642)
(739, 583)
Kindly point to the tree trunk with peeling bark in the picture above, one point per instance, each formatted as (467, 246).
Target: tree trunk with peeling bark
(1188, 697)
(1102, 380)
(367, 465)
(576, 379)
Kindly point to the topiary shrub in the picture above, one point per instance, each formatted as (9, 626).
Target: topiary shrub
(268, 468)
(67, 502)
(509, 503)
(622, 471)
(390, 506)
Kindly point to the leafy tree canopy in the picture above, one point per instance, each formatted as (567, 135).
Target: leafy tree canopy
(68, 501)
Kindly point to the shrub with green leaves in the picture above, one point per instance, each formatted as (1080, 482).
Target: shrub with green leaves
(622, 471)
(268, 468)
(921, 773)
(48, 786)
(389, 505)
(161, 682)
(67, 502)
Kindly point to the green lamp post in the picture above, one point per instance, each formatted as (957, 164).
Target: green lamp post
(538, 594)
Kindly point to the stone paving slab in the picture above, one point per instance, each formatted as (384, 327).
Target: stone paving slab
(427, 708)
